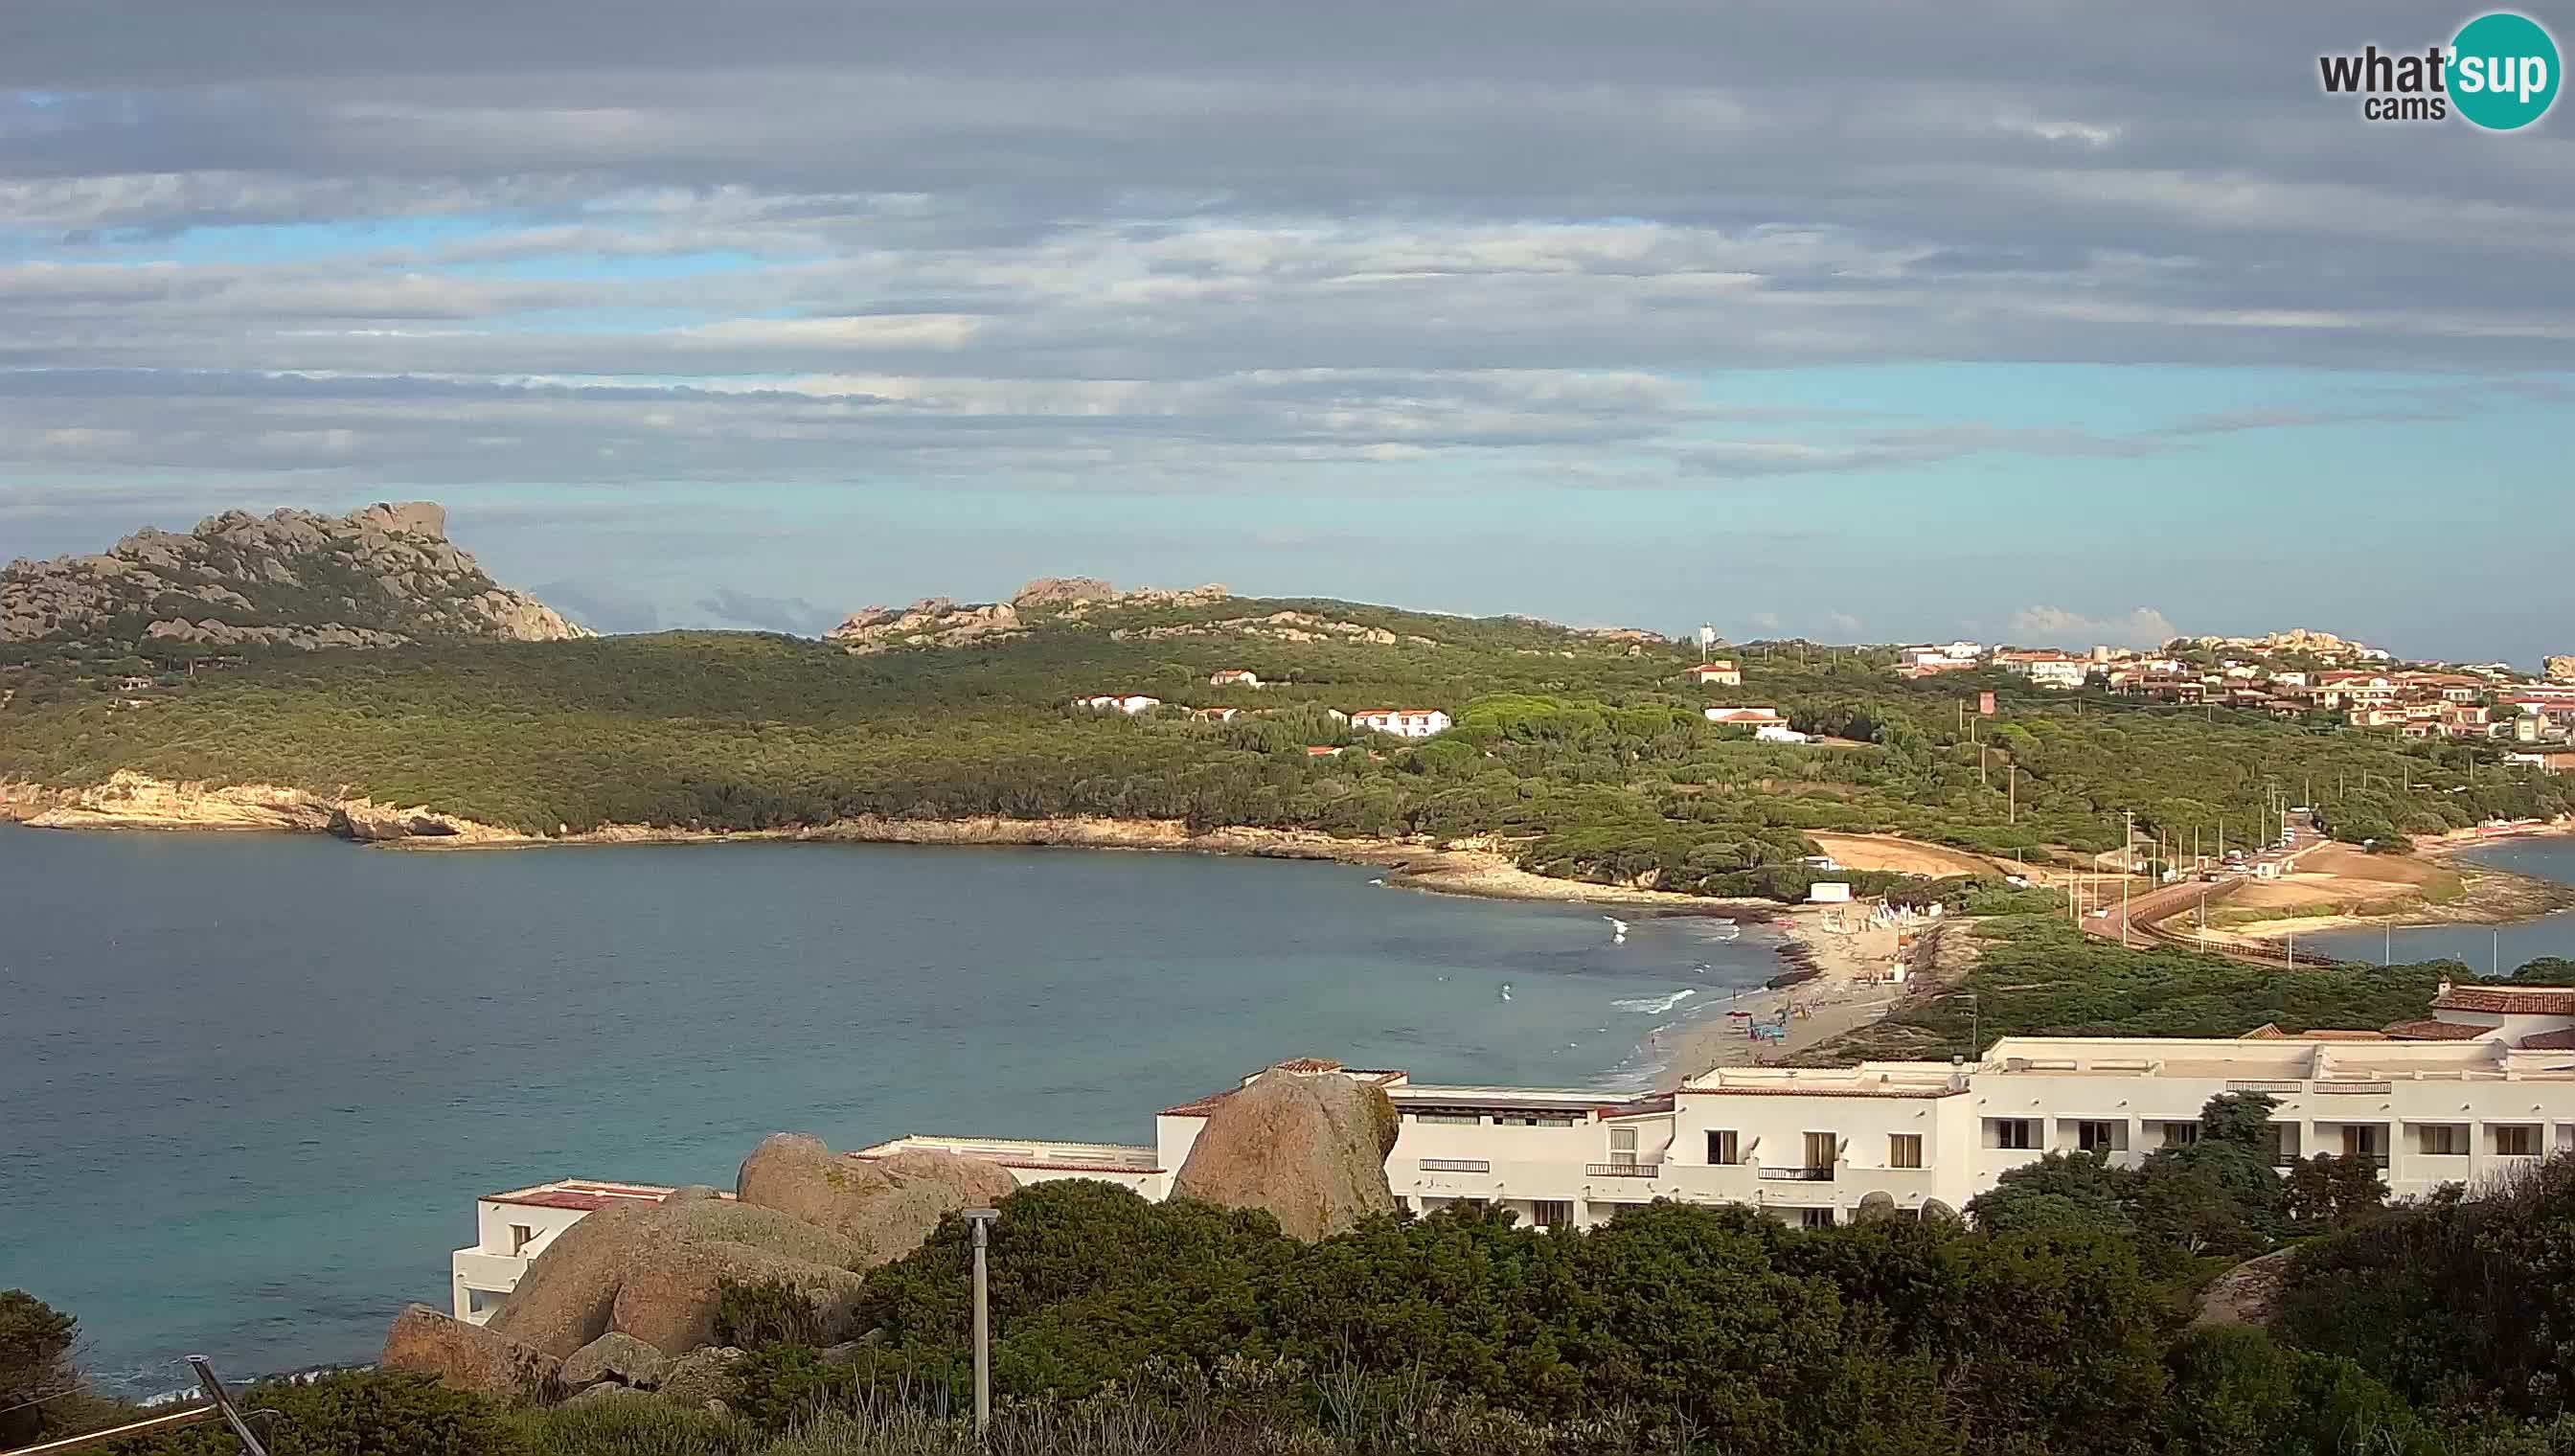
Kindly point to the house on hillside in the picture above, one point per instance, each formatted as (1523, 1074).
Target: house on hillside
(1755, 718)
(1215, 715)
(1233, 677)
(1125, 703)
(1717, 671)
(1402, 723)
(2046, 669)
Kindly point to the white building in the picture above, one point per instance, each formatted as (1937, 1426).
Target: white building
(1403, 723)
(1755, 718)
(1717, 671)
(2047, 668)
(1772, 732)
(512, 1228)
(2485, 1085)
(1233, 677)
(2482, 1087)
(1127, 702)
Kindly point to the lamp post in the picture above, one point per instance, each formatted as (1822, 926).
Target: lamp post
(980, 1220)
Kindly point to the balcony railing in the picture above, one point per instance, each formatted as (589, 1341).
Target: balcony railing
(1618, 1171)
(2259, 1086)
(1799, 1175)
(2365, 1088)
(1456, 1165)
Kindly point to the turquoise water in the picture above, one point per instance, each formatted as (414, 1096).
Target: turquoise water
(250, 1085)
(2487, 949)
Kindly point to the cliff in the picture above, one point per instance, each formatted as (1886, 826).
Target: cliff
(380, 577)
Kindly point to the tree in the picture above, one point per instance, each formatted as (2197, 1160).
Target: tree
(36, 1343)
(2326, 1191)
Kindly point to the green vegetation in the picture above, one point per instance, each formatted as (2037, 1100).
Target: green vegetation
(2055, 1322)
(1590, 762)
(2037, 975)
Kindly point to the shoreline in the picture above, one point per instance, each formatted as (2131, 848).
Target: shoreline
(2494, 896)
(1845, 993)
(1473, 868)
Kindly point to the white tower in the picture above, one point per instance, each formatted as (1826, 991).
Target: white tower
(1706, 637)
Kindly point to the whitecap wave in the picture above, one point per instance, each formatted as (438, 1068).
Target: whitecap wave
(1654, 1006)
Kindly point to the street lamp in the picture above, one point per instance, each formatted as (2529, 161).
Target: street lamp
(980, 1220)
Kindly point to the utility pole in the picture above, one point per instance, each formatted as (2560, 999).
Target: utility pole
(2127, 874)
(982, 1222)
(224, 1404)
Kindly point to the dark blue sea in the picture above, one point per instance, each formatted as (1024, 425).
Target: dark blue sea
(250, 1085)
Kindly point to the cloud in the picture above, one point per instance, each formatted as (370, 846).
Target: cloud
(2142, 627)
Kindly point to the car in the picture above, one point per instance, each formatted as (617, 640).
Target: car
(2100, 914)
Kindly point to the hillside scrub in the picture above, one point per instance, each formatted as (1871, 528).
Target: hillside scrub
(1590, 763)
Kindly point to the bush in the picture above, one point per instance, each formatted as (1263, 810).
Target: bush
(752, 1314)
(355, 1413)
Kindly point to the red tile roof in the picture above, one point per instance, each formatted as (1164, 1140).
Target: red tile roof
(2431, 1028)
(2550, 1041)
(2508, 1001)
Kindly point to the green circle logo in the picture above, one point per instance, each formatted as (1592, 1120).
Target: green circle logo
(2503, 71)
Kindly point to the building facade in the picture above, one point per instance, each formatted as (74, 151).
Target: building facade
(1403, 723)
(2482, 1087)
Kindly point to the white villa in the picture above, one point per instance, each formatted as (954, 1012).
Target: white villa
(1403, 723)
(1719, 672)
(2483, 1086)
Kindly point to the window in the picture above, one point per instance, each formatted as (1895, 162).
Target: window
(2284, 1141)
(2101, 1136)
(1551, 1213)
(2364, 1140)
(1824, 1150)
(1725, 1149)
(2180, 1134)
(520, 1235)
(1537, 1119)
(1814, 1218)
(1623, 1144)
(2516, 1140)
(2017, 1132)
(2441, 1139)
(1905, 1149)
(1447, 1119)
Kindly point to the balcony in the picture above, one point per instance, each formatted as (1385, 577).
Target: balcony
(1454, 1166)
(1618, 1171)
(2374, 1090)
(1798, 1175)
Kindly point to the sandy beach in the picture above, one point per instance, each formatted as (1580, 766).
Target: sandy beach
(1841, 997)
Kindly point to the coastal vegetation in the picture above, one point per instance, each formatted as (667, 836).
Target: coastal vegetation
(1584, 756)
(2064, 1315)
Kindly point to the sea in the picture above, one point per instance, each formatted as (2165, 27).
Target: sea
(2484, 950)
(251, 1085)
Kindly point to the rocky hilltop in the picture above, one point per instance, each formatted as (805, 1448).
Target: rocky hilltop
(937, 622)
(380, 577)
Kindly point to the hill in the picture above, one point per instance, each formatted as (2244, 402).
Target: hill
(382, 577)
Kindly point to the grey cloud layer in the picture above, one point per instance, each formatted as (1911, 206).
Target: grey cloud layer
(1153, 243)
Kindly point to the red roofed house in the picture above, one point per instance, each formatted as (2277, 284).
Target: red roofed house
(1233, 677)
(1719, 672)
(1403, 723)
(1751, 718)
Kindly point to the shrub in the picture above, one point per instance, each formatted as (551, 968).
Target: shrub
(765, 1313)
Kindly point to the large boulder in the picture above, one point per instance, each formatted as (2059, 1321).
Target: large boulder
(672, 1287)
(573, 1291)
(563, 1300)
(470, 1357)
(885, 1207)
(1309, 1147)
(701, 1375)
(2250, 1292)
(616, 1356)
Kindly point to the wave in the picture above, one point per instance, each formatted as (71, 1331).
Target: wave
(1654, 1006)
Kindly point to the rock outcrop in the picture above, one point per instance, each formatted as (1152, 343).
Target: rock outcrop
(2250, 1292)
(1295, 626)
(653, 1274)
(471, 1357)
(698, 1376)
(1309, 1147)
(381, 577)
(614, 1356)
(2559, 668)
(938, 621)
(131, 801)
(885, 1207)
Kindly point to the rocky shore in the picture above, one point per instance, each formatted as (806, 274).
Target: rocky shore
(131, 801)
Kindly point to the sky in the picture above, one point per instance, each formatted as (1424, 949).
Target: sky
(2040, 322)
